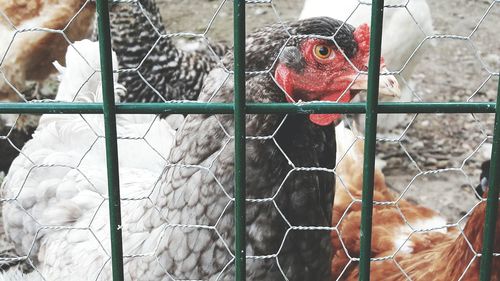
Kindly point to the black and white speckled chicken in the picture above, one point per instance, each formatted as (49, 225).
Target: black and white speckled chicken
(164, 71)
(185, 228)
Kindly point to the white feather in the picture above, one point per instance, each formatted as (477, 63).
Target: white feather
(15, 274)
(60, 180)
(401, 240)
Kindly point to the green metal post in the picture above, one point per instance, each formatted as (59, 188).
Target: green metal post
(239, 139)
(370, 139)
(492, 201)
(109, 111)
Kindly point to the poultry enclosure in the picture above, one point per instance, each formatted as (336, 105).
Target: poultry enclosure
(239, 259)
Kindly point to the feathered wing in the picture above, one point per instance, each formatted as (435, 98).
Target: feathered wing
(447, 256)
(66, 183)
(60, 141)
(199, 186)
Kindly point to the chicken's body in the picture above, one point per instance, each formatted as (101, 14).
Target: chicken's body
(390, 230)
(61, 179)
(447, 258)
(164, 71)
(29, 55)
(181, 224)
(438, 254)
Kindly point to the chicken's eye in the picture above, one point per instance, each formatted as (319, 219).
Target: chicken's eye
(323, 52)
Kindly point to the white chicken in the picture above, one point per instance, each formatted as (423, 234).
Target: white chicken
(65, 162)
(406, 24)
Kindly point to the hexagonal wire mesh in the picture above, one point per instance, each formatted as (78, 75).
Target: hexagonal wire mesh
(56, 188)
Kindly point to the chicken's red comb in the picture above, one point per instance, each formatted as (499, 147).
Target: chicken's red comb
(362, 37)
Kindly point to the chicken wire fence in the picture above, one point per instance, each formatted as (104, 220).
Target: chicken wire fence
(236, 255)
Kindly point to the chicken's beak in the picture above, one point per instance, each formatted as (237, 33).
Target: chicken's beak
(388, 85)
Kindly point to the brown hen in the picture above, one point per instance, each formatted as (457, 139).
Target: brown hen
(392, 223)
(433, 255)
(28, 56)
(449, 257)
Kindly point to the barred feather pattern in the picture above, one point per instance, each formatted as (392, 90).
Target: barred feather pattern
(152, 67)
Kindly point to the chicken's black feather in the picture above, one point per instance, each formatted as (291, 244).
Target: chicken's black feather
(483, 178)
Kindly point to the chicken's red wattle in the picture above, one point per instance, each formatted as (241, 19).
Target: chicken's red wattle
(284, 78)
(327, 119)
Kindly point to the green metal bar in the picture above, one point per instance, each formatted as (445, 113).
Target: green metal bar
(252, 108)
(176, 108)
(386, 107)
(436, 107)
(492, 201)
(109, 111)
(239, 140)
(370, 139)
(123, 108)
(50, 108)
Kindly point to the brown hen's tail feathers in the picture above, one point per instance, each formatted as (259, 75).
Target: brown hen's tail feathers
(448, 257)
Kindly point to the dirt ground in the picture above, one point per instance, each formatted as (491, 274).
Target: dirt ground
(444, 150)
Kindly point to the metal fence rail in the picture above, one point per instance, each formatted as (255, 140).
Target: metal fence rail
(239, 109)
(251, 108)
